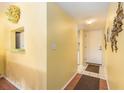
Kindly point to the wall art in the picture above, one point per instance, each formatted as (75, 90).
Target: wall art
(117, 27)
(105, 41)
(13, 13)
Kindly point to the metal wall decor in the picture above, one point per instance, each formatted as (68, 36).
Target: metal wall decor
(117, 27)
(108, 35)
(105, 40)
(13, 13)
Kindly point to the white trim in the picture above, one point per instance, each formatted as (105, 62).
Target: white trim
(13, 83)
(107, 78)
(108, 84)
(80, 68)
(69, 81)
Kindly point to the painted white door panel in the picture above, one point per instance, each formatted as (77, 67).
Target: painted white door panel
(92, 47)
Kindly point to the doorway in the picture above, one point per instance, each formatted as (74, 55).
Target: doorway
(92, 47)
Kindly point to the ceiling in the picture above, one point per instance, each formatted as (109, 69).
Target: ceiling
(3, 6)
(84, 11)
(81, 12)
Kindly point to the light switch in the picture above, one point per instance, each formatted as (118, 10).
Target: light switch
(53, 46)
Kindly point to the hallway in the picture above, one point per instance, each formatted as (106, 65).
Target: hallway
(81, 33)
(75, 38)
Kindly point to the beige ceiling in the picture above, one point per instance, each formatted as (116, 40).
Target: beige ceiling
(3, 6)
(83, 11)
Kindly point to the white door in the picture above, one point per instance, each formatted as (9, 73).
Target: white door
(93, 47)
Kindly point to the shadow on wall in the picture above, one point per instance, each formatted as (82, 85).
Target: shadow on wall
(2, 64)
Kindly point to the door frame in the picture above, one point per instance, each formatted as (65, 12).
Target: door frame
(79, 50)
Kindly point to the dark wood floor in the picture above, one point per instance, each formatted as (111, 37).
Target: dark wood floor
(74, 82)
(6, 85)
(76, 79)
(103, 85)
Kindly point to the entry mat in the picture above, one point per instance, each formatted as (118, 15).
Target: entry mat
(93, 68)
(87, 83)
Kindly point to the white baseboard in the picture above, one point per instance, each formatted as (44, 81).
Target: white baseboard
(80, 68)
(69, 81)
(107, 83)
(12, 82)
(107, 78)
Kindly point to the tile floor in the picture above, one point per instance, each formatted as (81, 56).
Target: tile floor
(101, 75)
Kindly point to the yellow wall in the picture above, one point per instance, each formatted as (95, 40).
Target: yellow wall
(115, 61)
(2, 46)
(61, 30)
(28, 69)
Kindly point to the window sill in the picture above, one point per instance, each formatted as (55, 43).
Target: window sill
(18, 50)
